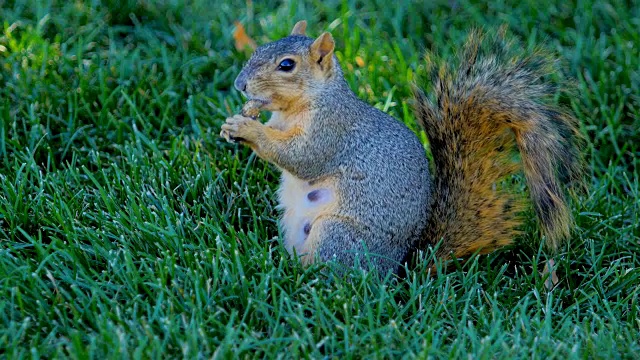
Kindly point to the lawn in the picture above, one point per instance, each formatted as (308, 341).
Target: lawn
(128, 228)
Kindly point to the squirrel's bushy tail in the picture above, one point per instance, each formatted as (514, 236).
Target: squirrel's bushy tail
(490, 106)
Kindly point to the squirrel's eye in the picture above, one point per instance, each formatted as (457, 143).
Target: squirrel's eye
(286, 65)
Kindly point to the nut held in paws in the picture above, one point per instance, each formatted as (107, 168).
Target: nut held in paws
(251, 108)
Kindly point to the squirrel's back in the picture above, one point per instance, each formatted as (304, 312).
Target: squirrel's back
(390, 186)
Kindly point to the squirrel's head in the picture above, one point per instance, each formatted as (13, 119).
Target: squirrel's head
(288, 73)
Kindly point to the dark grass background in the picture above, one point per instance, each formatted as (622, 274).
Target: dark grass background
(129, 229)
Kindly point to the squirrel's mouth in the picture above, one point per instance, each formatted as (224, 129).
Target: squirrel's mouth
(261, 102)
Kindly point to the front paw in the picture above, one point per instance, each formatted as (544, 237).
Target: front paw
(239, 128)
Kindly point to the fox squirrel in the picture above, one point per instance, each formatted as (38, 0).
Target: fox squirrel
(355, 179)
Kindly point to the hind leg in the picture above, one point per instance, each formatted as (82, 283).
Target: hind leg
(349, 242)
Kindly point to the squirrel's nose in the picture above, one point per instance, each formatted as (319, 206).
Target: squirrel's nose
(240, 84)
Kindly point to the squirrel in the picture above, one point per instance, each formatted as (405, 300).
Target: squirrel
(356, 183)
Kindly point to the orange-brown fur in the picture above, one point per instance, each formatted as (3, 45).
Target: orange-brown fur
(474, 130)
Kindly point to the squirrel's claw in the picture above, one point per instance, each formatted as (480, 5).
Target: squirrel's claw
(235, 127)
(250, 111)
(227, 131)
(225, 135)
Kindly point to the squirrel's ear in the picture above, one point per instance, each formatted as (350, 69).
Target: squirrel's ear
(299, 28)
(322, 48)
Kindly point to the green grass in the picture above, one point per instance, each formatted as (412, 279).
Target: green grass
(129, 229)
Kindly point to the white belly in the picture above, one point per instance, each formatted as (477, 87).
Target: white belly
(300, 209)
